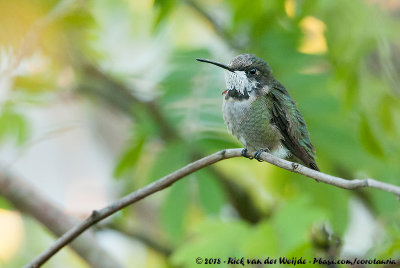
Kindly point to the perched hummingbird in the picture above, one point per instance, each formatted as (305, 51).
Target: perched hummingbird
(260, 113)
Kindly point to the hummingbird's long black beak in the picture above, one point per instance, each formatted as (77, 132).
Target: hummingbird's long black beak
(226, 67)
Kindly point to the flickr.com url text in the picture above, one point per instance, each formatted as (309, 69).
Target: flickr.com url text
(292, 261)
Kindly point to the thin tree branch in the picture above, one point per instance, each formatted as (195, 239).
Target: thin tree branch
(115, 93)
(98, 83)
(168, 180)
(27, 199)
(239, 197)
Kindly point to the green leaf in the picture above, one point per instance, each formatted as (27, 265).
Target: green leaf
(13, 126)
(386, 116)
(34, 83)
(384, 203)
(293, 223)
(352, 85)
(129, 158)
(5, 204)
(212, 239)
(20, 128)
(174, 210)
(79, 19)
(211, 194)
(262, 241)
(163, 8)
(369, 140)
(174, 156)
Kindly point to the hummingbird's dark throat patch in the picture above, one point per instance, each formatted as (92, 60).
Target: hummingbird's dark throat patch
(233, 93)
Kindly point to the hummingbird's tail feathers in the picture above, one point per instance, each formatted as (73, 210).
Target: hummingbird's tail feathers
(308, 162)
(314, 166)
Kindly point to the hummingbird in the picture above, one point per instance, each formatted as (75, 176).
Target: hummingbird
(259, 112)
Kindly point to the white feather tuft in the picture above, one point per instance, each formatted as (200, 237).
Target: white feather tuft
(239, 81)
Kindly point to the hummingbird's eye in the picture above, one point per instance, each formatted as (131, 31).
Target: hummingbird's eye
(253, 71)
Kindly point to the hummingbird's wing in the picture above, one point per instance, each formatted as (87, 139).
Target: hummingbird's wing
(289, 121)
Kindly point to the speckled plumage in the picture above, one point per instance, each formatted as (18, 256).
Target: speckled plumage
(260, 113)
(247, 121)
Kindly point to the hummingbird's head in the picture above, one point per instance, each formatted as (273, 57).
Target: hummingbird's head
(245, 73)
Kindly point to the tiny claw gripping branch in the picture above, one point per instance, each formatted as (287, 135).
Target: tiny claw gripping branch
(244, 154)
(295, 166)
(258, 154)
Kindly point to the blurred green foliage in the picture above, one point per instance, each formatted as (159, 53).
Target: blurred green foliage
(346, 88)
(13, 126)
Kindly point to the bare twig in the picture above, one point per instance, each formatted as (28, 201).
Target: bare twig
(27, 199)
(168, 180)
(115, 93)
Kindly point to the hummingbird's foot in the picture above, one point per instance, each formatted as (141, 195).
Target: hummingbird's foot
(244, 154)
(258, 154)
(294, 166)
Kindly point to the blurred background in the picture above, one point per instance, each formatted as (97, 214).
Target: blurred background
(99, 98)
